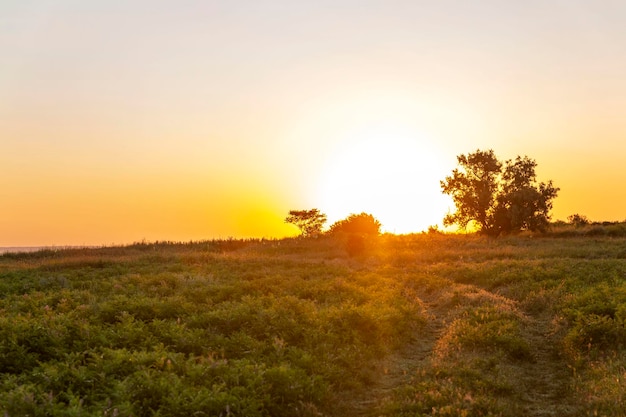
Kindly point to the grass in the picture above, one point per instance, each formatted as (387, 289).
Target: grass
(416, 325)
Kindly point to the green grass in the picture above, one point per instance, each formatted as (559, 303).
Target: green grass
(416, 325)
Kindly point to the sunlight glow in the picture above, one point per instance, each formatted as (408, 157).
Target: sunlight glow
(389, 172)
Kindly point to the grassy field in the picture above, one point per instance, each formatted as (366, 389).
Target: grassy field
(423, 325)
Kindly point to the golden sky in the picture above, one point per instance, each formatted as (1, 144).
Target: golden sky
(187, 120)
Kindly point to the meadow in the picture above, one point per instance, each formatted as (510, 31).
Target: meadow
(416, 325)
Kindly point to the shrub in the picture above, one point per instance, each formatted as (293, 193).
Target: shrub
(578, 220)
(355, 245)
(364, 224)
(596, 331)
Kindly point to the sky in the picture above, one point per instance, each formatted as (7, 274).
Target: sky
(123, 121)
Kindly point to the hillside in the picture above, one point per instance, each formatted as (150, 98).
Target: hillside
(421, 325)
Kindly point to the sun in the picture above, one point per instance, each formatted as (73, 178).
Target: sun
(389, 172)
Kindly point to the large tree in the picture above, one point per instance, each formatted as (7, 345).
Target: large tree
(498, 197)
(310, 222)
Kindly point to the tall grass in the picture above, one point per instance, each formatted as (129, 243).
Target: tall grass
(251, 329)
(518, 326)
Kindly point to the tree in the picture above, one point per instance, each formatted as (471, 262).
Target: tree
(523, 203)
(364, 224)
(578, 220)
(359, 231)
(310, 222)
(473, 188)
(499, 198)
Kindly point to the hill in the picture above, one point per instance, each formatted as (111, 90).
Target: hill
(419, 325)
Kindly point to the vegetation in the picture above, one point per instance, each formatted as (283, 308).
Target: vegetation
(310, 222)
(362, 224)
(421, 325)
(578, 220)
(358, 231)
(499, 198)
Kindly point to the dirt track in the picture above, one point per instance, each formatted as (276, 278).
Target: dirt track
(543, 381)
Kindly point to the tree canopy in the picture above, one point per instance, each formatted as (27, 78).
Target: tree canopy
(362, 223)
(310, 222)
(500, 198)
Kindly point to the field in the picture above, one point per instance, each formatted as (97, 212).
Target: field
(420, 325)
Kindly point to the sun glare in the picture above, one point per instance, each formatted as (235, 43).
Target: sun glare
(388, 172)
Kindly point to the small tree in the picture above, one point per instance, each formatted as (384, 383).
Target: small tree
(364, 224)
(578, 220)
(359, 231)
(499, 198)
(310, 222)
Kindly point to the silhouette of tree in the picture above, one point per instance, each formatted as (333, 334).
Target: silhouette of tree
(364, 224)
(358, 233)
(310, 222)
(578, 220)
(473, 188)
(499, 198)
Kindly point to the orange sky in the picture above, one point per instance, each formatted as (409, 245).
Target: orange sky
(122, 121)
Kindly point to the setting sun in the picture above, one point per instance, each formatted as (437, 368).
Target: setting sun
(388, 172)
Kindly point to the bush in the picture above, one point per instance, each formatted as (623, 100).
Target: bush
(578, 220)
(363, 224)
(355, 245)
(597, 331)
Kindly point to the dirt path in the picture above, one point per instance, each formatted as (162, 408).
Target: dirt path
(545, 381)
(398, 368)
(541, 384)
